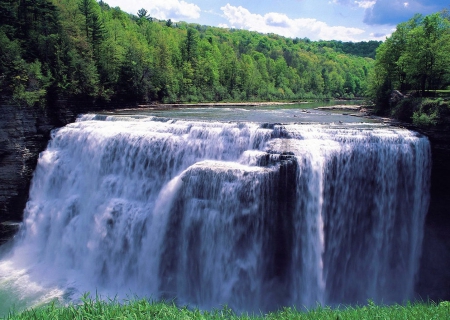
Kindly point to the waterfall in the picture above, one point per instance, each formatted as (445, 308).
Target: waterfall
(254, 216)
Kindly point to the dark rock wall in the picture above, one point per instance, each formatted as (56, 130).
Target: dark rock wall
(24, 133)
(434, 276)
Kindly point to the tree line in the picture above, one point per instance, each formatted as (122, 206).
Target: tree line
(414, 59)
(84, 49)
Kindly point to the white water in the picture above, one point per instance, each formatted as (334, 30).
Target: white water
(209, 213)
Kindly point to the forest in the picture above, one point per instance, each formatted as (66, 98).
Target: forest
(87, 50)
(415, 60)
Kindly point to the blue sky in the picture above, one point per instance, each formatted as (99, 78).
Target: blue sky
(346, 20)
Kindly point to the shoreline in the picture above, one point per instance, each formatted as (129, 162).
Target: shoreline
(165, 106)
(219, 104)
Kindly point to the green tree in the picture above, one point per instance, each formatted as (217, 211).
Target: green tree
(190, 46)
(87, 10)
(142, 13)
(83, 48)
(414, 57)
(135, 74)
(426, 51)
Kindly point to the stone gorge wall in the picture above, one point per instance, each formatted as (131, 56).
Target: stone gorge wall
(24, 133)
(434, 276)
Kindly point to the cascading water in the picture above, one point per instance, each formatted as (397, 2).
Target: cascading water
(209, 213)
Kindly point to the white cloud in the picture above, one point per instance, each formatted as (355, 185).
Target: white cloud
(277, 20)
(161, 9)
(365, 4)
(174, 9)
(283, 25)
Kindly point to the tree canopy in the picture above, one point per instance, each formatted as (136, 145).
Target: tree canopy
(414, 58)
(87, 49)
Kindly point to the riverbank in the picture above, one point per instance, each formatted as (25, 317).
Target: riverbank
(219, 104)
(143, 309)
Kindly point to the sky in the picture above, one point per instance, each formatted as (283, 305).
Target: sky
(345, 20)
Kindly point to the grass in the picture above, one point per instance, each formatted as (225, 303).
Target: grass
(442, 93)
(143, 309)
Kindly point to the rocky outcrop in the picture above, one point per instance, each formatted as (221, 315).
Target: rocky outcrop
(396, 97)
(24, 133)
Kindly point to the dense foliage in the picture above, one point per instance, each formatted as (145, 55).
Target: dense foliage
(85, 49)
(362, 49)
(142, 309)
(415, 58)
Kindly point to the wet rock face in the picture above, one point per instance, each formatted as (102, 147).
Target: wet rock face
(24, 133)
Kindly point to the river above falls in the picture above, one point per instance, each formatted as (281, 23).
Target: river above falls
(344, 112)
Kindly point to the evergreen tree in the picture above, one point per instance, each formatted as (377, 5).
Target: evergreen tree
(190, 52)
(87, 10)
(142, 13)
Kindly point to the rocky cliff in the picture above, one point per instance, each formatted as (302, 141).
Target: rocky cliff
(24, 133)
(22, 137)
(434, 277)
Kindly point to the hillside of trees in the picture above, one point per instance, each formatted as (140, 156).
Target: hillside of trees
(83, 49)
(415, 60)
(362, 49)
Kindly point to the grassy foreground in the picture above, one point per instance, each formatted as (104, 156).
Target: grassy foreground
(143, 309)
